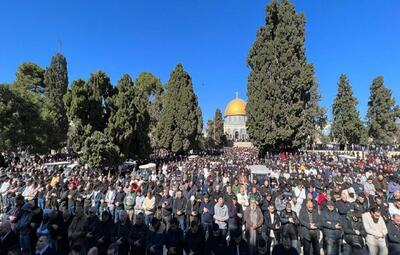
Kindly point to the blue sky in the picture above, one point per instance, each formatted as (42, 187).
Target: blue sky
(211, 38)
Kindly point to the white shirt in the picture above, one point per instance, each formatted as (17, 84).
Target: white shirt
(393, 209)
(300, 193)
(4, 187)
(110, 196)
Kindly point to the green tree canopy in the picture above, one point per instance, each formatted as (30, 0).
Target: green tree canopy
(30, 78)
(121, 125)
(87, 104)
(99, 152)
(20, 122)
(283, 111)
(382, 113)
(180, 124)
(101, 91)
(149, 86)
(77, 101)
(347, 127)
(56, 82)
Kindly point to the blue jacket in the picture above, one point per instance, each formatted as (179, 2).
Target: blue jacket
(22, 225)
(156, 237)
(208, 216)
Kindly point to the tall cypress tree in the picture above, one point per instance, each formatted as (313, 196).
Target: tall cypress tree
(101, 91)
(56, 83)
(141, 145)
(150, 88)
(180, 123)
(347, 127)
(121, 125)
(382, 113)
(87, 105)
(283, 96)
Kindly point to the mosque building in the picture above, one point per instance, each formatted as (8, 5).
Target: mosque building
(235, 120)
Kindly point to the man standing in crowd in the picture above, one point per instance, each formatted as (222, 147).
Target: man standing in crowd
(376, 231)
(166, 207)
(393, 237)
(331, 229)
(271, 229)
(309, 230)
(254, 220)
(354, 233)
(207, 214)
(179, 206)
(221, 215)
(290, 224)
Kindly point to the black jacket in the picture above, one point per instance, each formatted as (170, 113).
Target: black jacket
(288, 227)
(139, 233)
(274, 225)
(393, 238)
(305, 231)
(167, 210)
(208, 216)
(343, 207)
(174, 239)
(123, 233)
(179, 205)
(9, 243)
(106, 232)
(329, 220)
(216, 245)
(243, 247)
(349, 227)
(194, 242)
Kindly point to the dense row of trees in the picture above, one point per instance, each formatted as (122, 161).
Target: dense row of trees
(32, 112)
(283, 110)
(105, 123)
(381, 126)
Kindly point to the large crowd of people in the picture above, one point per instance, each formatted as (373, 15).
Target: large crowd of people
(309, 203)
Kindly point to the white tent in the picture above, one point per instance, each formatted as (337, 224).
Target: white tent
(149, 166)
(51, 166)
(258, 170)
(344, 157)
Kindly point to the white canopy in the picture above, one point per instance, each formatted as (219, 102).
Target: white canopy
(148, 166)
(57, 163)
(193, 156)
(259, 169)
(344, 157)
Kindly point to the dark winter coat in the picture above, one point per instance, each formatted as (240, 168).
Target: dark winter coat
(393, 238)
(208, 216)
(194, 242)
(305, 224)
(166, 211)
(139, 233)
(272, 225)
(175, 239)
(123, 233)
(216, 245)
(349, 227)
(156, 238)
(329, 220)
(106, 232)
(288, 227)
(243, 247)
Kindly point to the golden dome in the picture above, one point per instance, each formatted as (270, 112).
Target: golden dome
(235, 107)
